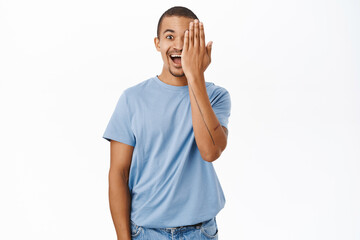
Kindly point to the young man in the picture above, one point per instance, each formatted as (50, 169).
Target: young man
(165, 133)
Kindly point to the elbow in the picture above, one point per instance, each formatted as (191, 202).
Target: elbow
(214, 152)
(212, 155)
(116, 175)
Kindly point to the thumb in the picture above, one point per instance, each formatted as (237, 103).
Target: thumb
(209, 48)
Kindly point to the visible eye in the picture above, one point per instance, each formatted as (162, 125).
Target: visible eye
(170, 37)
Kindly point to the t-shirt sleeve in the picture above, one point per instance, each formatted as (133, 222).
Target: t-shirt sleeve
(119, 126)
(221, 104)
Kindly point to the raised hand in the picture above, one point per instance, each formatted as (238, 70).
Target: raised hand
(195, 57)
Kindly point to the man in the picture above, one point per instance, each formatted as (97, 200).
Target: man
(165, 133)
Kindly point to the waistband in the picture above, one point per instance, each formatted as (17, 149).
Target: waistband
(197, 225)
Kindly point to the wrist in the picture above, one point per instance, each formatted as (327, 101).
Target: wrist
(191, 77)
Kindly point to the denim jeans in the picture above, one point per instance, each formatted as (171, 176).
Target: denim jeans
(202, 231)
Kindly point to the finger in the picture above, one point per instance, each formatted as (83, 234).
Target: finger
(202, 35)
(196, 33)
(186, 41)
(191, 35)
(209, 48)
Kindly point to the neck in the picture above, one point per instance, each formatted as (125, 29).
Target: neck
(168, 78)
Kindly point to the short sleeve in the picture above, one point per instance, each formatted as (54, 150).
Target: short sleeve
(119, 126)
(221, 104)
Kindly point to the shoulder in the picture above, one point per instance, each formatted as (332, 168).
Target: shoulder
(135, 90)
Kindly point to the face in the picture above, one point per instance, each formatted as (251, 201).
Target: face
(170, 43)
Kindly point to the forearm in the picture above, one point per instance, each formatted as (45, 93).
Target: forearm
(120, 202)
(209, 134)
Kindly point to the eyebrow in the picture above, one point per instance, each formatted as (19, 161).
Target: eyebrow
(168, 30)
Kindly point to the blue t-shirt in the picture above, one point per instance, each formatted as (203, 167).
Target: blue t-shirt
(170, 184)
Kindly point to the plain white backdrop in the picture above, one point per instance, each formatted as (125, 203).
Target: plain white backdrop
(291, 170)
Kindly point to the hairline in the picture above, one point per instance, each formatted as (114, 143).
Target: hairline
(165, 16)
(176, 11)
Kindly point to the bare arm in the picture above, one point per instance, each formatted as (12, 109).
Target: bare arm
(210, 136)
(119, 195)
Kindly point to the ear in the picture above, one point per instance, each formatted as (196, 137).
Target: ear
(157, 43)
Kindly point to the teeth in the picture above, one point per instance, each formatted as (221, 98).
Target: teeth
(175, 56)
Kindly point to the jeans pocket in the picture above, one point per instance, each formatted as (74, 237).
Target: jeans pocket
(135, 229)
(209, 228)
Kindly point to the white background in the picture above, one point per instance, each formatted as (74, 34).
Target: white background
(291, 169)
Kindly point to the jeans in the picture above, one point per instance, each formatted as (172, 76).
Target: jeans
(202, 231)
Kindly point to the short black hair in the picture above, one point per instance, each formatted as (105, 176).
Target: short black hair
(175, 11)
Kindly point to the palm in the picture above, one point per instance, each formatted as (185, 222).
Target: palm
(196, 57)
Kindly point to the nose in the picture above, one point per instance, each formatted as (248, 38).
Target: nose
(178, 43)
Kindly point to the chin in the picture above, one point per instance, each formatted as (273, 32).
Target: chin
(177, 73)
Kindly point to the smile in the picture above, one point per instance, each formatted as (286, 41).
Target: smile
(176, 59)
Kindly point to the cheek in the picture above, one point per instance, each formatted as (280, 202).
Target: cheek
(164, 56)
(164, 53)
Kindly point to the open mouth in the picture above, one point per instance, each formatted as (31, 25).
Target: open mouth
(176, 59)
